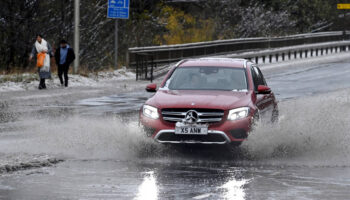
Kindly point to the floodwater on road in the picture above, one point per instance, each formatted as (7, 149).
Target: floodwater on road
(103, 154)
(112, 179)
(115, 104)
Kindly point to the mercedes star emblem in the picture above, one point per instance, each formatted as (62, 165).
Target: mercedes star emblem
(191, 116)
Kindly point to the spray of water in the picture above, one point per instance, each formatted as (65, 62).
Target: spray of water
(312, 130)
(83, 138)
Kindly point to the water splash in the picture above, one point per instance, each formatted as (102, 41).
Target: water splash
(83, 138)
(312, 130)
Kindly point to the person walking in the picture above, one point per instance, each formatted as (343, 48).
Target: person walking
(43, 51)
(64, 56)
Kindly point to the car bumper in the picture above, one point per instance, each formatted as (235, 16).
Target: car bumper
(218, 133)
(191, 139)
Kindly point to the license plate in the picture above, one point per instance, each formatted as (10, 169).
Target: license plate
(191, 129)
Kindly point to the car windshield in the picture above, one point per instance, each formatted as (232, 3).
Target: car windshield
(207, 78)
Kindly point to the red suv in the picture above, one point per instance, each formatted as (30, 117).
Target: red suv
(208, 101)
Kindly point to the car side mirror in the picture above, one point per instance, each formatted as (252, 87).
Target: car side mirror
(263, 89)
(151, 87)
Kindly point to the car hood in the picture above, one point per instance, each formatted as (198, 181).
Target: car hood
(199, 99)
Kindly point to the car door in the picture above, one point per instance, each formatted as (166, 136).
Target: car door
(264, 102)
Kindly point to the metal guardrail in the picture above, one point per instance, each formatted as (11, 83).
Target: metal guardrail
(145, 62)
(293, 52)
(146, 59)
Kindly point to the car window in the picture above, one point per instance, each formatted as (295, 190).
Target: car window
(255, 79)
(261, 76)
(207, 78)
(258, 77)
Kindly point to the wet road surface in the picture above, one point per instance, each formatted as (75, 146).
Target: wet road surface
(102, 154)
(151, 179)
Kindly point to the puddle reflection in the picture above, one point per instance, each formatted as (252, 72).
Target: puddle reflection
(148, 188)
(216, 183)
(234, 189)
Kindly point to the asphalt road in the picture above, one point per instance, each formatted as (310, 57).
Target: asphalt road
(85, 144)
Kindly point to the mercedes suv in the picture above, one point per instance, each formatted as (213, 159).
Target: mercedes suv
(208, 101)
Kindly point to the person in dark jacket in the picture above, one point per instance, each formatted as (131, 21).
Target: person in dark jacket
(64, 56)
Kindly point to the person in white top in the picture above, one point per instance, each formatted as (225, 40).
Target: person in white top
(42, 46)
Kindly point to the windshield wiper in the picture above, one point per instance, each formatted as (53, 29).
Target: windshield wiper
(239, 90)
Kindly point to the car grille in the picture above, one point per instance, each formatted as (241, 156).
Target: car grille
(169, 137)
(204, 115)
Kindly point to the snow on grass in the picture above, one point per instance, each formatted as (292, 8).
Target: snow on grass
(30, 81)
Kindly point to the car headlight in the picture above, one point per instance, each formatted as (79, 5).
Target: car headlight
(238, 113)
(150, 112)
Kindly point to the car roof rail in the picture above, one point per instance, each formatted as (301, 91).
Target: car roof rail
(180, 62)
(246, 63)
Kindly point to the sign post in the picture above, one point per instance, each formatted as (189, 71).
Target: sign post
(117, 9)
(76, 35)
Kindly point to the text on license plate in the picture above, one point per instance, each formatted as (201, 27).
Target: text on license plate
(191, 130)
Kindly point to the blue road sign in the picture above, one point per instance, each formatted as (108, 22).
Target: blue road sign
(118, 9)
